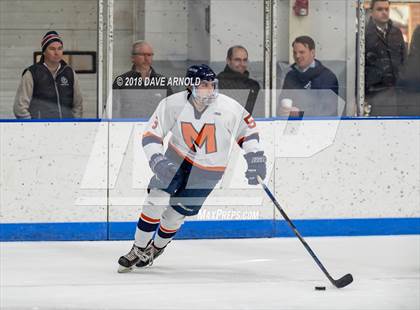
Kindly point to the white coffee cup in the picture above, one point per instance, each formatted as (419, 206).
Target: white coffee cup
(286, 103)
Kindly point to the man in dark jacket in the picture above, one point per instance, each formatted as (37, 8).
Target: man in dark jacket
(136, 93)
(409, 82)
(311, 86)
(49, 88)
(234, 80)
(385, 54)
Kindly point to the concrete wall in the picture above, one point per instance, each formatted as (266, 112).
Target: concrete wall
(283, 17)
(353, 169)
(332, 25)
(166, 28)
(237, 22)
(127, 29)
(326, 23)
(198, 38)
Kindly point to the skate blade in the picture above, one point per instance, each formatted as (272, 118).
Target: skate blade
(122, 269)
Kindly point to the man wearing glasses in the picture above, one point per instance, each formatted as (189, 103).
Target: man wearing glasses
(137, 92)
(234, 80)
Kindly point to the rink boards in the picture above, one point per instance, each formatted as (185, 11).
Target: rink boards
(87, 181)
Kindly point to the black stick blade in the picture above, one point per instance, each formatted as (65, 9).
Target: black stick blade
(344, 281)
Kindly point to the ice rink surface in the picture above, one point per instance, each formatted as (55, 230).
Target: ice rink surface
(214, 274)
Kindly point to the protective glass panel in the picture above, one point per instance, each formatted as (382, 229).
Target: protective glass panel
(392, 75)
(156, 41)
(29, 91)
(316, 64)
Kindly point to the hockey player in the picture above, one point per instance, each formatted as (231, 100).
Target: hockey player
(203, 124)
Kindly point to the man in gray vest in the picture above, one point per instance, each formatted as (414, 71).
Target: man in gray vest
(49, 88)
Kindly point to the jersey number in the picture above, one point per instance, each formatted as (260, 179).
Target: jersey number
(195, 139)
(155, 123)
(250, 121)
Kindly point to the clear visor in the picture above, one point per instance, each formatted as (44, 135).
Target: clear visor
(206, 91)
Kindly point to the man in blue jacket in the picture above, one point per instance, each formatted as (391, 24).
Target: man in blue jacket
(313, 87)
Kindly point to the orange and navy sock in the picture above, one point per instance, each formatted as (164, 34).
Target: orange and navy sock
(147, 224)
(164, 236)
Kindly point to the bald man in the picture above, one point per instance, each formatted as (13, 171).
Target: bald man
(234, 80)
(137, 92)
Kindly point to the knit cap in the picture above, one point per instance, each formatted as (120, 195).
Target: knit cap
(50, 37)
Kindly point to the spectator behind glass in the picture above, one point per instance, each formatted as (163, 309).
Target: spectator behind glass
(310, 87)
(234, 80)
(136, 93)
(409, 82)
(385, 54)
(49, 88)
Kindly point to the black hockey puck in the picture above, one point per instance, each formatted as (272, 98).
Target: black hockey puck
(320, 288)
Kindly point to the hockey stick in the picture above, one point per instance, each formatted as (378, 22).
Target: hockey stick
(339, 283)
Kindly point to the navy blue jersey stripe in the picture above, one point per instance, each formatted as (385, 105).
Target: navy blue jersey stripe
(255, 136)
(151, 139)
(165, 235)
(147, 227)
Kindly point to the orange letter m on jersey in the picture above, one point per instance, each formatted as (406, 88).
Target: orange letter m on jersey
(193, 138)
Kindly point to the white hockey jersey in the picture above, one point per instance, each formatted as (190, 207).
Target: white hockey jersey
(203, 139)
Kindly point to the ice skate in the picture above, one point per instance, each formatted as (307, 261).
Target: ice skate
(133, 257)
(152, 253)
